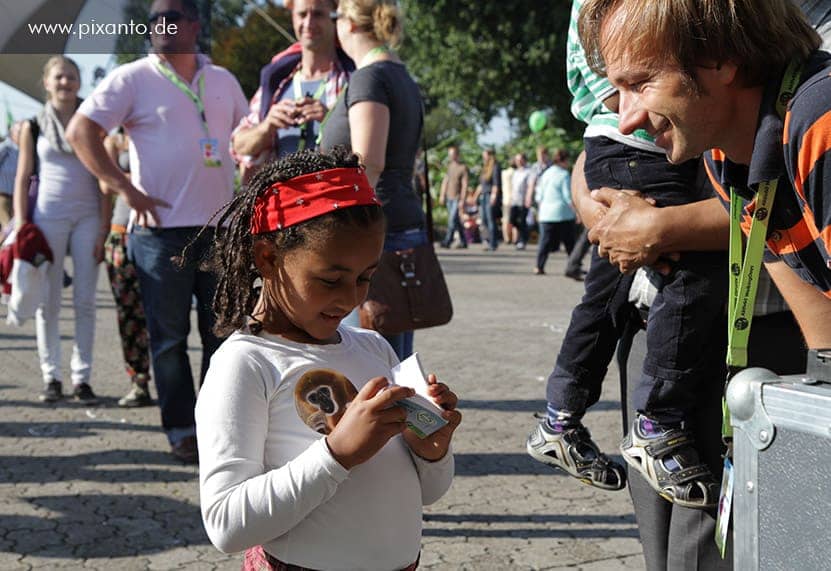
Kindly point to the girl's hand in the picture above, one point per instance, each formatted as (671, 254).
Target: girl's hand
(368, 423)
(435, 446)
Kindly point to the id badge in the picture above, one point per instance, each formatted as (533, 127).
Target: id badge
(210, 152)
(725, 506)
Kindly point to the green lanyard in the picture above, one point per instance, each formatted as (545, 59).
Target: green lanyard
(377, 50)
(744, 275)
(297, 83)
(184, 88)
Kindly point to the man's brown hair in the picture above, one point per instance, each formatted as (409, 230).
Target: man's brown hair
(760, 36)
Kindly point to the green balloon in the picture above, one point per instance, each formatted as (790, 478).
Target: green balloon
(537, 121)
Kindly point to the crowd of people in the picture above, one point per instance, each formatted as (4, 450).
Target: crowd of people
(685, 117)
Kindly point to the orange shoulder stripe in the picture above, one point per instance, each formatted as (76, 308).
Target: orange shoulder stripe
(719, 156)
(815, 143)
(799, 236)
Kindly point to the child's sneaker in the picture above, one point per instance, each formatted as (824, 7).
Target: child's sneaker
(574, 451)
(668, 460)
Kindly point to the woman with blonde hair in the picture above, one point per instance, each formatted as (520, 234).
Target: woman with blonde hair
(73, 218)
(381, 93)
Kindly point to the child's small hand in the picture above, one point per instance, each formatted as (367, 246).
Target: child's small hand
(435, 446)
(368, 423)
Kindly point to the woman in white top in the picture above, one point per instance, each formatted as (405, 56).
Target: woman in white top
(70, 213)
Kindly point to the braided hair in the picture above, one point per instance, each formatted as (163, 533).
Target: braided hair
(232, 255)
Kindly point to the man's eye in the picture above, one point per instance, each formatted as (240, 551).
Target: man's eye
(330, 283)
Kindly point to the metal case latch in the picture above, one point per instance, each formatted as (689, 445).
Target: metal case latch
(747, 413)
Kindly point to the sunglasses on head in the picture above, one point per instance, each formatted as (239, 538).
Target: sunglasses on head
(169, 16)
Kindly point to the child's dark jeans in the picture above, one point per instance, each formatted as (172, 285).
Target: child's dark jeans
(692, 297)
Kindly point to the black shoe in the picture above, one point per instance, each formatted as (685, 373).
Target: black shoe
(138, 396)
(53, 392)
(445, 246)
(578, 275)
(67, 279)
(83, 393)
(185, 450)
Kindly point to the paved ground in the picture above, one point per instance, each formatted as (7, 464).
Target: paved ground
(94, 488)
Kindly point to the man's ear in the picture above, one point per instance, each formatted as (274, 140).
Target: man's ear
(727, 72)
(266, 258)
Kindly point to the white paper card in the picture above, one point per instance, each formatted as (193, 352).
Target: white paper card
(423, 415)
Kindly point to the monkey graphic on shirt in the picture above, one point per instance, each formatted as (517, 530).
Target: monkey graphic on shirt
(321, 397)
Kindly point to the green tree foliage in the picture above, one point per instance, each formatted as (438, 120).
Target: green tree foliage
(244, 49)
(479, 56)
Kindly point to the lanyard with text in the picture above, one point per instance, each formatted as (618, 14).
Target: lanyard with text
(744, 275)
(208, 146)
(744, 280)
(297, 84)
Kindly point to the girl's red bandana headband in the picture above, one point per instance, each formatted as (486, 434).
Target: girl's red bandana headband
(308, 196)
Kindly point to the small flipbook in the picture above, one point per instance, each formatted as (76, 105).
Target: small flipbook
(423, 415)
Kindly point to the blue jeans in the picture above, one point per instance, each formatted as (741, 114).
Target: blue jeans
(167, 292)
(552, 234)
(454, 223)
(488, 211)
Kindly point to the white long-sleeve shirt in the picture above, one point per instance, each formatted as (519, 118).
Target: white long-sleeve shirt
(268, 478)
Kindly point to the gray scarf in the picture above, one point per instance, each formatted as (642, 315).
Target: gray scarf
(52, 128)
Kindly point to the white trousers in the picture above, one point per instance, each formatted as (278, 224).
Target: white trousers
(78, 237)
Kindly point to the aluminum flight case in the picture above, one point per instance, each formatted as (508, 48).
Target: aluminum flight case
(782, 459)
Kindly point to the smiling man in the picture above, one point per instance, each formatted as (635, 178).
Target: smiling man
(704, 76)
(297, 88)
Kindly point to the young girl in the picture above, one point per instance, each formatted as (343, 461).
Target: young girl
(305, 460)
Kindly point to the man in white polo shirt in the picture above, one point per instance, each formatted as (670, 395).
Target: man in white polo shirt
(179, 111)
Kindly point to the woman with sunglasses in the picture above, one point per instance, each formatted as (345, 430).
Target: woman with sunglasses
(381, 93)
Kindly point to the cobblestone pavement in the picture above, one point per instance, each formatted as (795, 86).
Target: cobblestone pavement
(95, 488)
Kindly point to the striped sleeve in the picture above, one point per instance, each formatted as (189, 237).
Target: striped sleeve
(588, 89)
